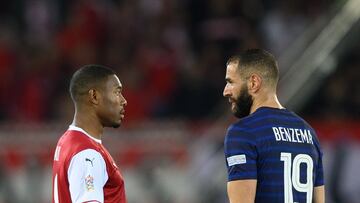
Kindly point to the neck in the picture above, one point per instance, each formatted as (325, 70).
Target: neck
(88, 121)
(268, 100)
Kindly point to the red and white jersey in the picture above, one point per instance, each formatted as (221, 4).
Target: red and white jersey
(84, 171)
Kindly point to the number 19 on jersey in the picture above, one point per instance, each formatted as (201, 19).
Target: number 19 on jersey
(292, 176)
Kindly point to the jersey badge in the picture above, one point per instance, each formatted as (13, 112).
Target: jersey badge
(236, 159)
(89, 182)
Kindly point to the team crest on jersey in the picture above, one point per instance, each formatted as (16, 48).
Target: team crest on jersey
(89, 182)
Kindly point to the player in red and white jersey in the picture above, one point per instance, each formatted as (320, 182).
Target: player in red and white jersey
(83, 170)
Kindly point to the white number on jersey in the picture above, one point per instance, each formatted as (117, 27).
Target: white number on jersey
(292, 176)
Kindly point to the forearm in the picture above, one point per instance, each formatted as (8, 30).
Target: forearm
(319, 194)
(242, 191)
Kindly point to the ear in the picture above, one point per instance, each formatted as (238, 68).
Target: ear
(255, 82)
(94, 96)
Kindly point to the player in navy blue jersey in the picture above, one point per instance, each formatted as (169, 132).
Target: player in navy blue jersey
(272, 155)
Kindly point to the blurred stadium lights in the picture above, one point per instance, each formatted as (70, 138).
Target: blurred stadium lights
(312, 62)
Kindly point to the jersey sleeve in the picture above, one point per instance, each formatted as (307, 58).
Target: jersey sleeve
(241, 155)
(319, 181)
(87, 176)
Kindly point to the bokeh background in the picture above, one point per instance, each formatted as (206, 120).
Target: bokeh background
(170, 56)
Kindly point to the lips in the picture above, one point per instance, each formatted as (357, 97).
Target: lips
(122, 114)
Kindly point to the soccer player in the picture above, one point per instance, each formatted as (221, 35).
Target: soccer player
(272, 155)
(83, 170)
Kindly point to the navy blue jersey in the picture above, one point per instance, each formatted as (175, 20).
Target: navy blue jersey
(278, 149)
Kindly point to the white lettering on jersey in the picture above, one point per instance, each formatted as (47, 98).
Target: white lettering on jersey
(57, 153)
(236, 159)
(292, 135)
(56, 192)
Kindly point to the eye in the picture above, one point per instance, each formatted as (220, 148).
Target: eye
(117, 92)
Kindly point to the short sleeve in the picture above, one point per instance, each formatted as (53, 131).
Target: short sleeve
(87, 176)
(240, 154)
(319, 180)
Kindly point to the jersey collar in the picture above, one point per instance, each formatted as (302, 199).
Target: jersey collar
(72, 127)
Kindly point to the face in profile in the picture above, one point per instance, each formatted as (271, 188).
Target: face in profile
(237, 91)
(111, 109)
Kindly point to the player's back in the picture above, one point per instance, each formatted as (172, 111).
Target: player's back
(281, 151)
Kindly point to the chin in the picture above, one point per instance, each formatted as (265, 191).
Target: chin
(234, 111)
(116, 125)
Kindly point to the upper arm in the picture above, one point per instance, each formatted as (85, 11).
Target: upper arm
(241, 191)
(241, 159)
(87, 176)
(319, 181)
(241, 155)
(319, 194)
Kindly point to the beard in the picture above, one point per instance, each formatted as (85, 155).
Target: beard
(243, 103)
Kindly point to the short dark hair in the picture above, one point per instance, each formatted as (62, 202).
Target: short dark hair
(257, 60)
(87, 77)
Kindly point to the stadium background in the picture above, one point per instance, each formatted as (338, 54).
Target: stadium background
(170, 56)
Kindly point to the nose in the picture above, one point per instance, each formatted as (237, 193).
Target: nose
(124, 102)
(226, 92)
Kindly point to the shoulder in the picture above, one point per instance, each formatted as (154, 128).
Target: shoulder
(88, 157)
(243, 126)
(305, 123)
(76, 139)
(239, 133)
(73, 142)
(237, 128)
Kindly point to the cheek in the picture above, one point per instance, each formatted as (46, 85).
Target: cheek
(115, 103)
(236, 92)
(111, 104)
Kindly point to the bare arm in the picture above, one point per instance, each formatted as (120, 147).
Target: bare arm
(241, 191)
(319, 194)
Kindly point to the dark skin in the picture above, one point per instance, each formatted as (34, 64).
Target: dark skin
(101, 107)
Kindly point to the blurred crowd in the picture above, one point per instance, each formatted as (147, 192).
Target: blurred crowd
(338, 98)
(169, 54)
